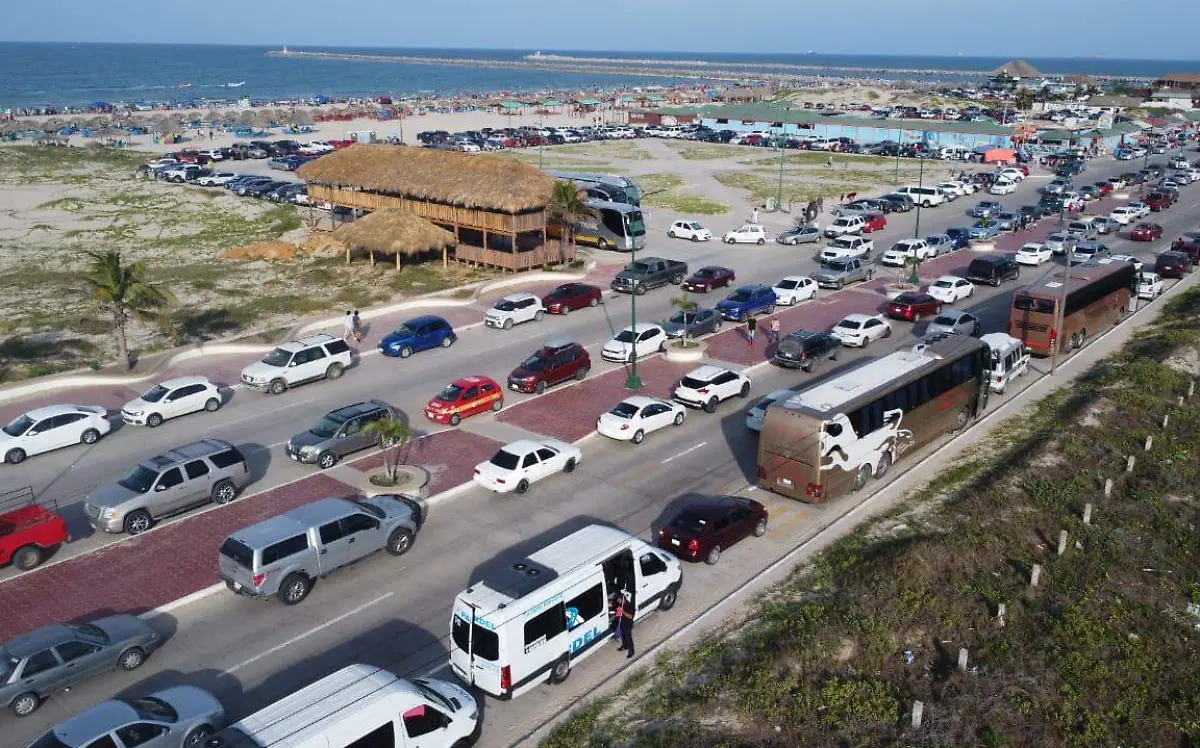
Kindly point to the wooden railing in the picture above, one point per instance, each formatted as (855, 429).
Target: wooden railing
(450, 215)
(550, 254)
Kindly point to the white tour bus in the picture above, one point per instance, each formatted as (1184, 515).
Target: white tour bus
(1010, 359)
(527, 623)
(361, 706)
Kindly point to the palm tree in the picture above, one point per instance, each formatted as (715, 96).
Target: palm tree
(125, 291)
(685, 304)
(567, 207)
(391, 434)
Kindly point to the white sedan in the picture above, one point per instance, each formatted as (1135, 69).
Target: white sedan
(634, 417)
(173, 397)
(858, 330)
(1003, 187)
(793, 289)
(52, 427)
(1034, 254)
(515, 466)
(751, 233)
(1137, 264)
(1150, 286)
(689, 230)
(950, 288)
(645, 340)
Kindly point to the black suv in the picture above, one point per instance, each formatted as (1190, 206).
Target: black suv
(802, 349)
(993, 270)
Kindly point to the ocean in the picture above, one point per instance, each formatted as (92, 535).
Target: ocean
(69, 74)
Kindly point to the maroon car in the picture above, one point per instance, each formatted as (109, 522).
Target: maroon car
(708, 526)
(1158, 201)
(571, 296)
(709, 277)
(913, 306)
(557, 361)
(1173, 264)
(1146, 232)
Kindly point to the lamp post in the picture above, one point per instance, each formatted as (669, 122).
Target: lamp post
(920, 184)
(1059, 313)
(899, 147)
(779, 190)
(1145, 165)
(633, 381)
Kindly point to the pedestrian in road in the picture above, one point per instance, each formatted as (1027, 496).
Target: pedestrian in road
(625, 623)
(773, 331)
(754, 215)
(751, 324)
(348, 325)
(359, 333)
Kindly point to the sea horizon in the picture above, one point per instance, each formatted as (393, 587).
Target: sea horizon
(40, 74)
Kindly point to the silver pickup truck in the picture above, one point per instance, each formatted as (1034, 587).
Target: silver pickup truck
(285, 555)
(841, 271)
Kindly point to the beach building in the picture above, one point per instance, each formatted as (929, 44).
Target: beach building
(1173, 98)
(787, 121)
(1182, 81)
(494, 208)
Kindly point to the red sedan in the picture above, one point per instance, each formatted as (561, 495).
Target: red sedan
(571, 296)
(1146, 232)
(465, 397)
(913, 306)
(1104, 188)
(707, 278)
(874, 222)
(706, 527)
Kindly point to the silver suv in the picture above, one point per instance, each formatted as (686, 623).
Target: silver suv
(173, 482)
(285, 555)
(304, 360)
(339, 433)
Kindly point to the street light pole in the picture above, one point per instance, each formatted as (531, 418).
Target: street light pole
(1060, 313)
(920, 184)
(541, 138)
(899, 147)
(779, 191)
(633, 381)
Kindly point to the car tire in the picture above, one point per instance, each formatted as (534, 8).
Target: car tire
(760, 528)
(695, 238)
(539, 316)
(679, 417)
(497, 405)
(278, 387)
(714, 555)
(540, 387)
(508, 324)
(334, 371)
(154, 420)
(522, 485)
(138, 522)
(710, 406)
(761, 242)
(595, 302)
(326, 460)
(132, 658)
(455, 419)
(887, 332)
(639, 290)
(399, 542)
(15, 456)
(569, 465)
(916, 318)
(28, 557)
(224, 492)
(745, 391)
(25, 704)
(447, 341)
(294, 588)
(885, 462)
(669, 598)
(602, 244)
(561, 670)
(212, 405)
(638, 437)
(196, 737)
(405, 352)
(90, 436)
(565, 310)
(673, 235)
(961, 420)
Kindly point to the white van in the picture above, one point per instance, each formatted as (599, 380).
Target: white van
(954, 153)
(527, 623)
(926, 197)
(1010, 359)
(361, 706)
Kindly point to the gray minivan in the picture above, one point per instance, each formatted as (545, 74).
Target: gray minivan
(285, 555)
(171, 483)
(339, 433)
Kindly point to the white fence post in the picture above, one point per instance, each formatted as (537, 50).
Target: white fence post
(1062, 542)
(1036, 576)
(1087, 514)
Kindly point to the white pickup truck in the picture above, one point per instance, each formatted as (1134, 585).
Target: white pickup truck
(849, 247)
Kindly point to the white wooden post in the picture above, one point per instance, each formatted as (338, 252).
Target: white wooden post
(1149, 442)
(1001, 610)
(1036, 576)
(917, 713)
(1087, 514)
(1108, 485)
(1166, 419)
(1129, 464)
(962, 659)
(1062, 542)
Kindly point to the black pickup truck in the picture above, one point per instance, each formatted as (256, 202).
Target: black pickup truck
(650, 272)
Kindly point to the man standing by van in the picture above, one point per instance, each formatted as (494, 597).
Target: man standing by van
(625, 623)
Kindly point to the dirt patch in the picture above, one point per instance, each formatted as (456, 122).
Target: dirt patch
(260, 251)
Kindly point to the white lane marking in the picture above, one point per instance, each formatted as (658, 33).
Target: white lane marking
(308, 633)
(274, 409)
(689, 450)
(438, 669)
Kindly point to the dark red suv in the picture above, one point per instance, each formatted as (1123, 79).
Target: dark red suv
(708, 526)
(557, 361)
(1173, 264)
(571, 296)
(1158, 201)
(913, 306)
(29, 530)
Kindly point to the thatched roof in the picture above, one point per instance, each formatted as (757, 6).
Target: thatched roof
(1017, 69)
(394, 232)
(479, 181)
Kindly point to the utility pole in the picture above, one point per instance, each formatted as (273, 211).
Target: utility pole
(541, 138)
(1060, 312)
(920, 183)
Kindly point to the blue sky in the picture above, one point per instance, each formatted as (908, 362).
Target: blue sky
(1034, 28)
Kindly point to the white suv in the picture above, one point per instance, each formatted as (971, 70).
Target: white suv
(304, 360)
(845, 225)
(707, 386)
(513, 310)
(905, 249)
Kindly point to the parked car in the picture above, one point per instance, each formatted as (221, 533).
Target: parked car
(707, 386)
(849, 245)
(689, 230)
(1150, 286)
(939, 244)
(913, 306)
(1089, 251)
(172, 398)
(418, 334)
(648, 273)
(634, 417)
(950, 288)
(1173, 264)
(1003, 187)
(793, 289)
(960, 236)
(514, 309)
(572, 296)
(1146, 232)
(1007, 220)
(845, 225)
(644, 339)
(799, 235)
(176, 717)
(559, 360)
(873, 222)
(465, 397)
(30, 530)
(305, 360)
(707, 527)
(1033, 254)
(905, 250)
(804, 349)
(839, 272)
(746, 302)
(178, 480)
(339, 432)
(517, 466)
(60, 656)
(986, 209)
(750, 233)
(52, 427)
(709, 277)
(985, 230)
(993, 270)
(954, 321)
(692, 323)
(859, 330)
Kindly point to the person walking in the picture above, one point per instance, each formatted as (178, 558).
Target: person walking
(773, 331)
(754, 215)
(751, 325)
(359, 333)
(348, 325)
(625, 624)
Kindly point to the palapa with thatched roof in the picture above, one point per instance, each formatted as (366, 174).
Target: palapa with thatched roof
(483, 199)
(1017, 69)
(391, 231)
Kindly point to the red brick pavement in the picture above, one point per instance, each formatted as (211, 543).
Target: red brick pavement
(570, 413)
(142, 573)
(449, 456)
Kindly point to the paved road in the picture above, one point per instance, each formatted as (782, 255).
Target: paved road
(395, 613)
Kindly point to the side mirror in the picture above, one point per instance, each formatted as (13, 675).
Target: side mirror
(293, 363)
(160, 487)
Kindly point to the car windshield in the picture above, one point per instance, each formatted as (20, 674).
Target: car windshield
(849, 324)
(944, 320)
(739, 296)
(943, 284)
(504, 305)
(277, 357)
(327, 426)
(155, 393)
(154, 708)
(89, 633)
(505, 460)
(139, 480)
(705, 273)
(18, 425)
(684, 318)
(624, 410)
(837, 265)
(451, 393)
(625, 336)
(8, 664)
(787, 284)
(1056, 238)
(690, 522)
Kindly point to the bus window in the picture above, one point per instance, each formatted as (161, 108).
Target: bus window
(1027, 303)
